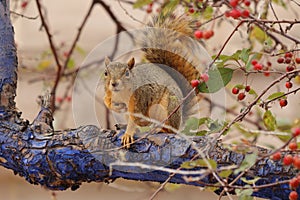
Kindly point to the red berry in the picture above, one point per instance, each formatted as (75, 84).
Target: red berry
(234, 3)
(288, 159)
(234, 13)
(227, 14)
(245, 13)
(296, 162)
(276, 156)
(149, 9)
(241, 96)
(293, 195)
(290, 68)
(68, 98)
(24, 4)
(198, 34)
(247, 3)
(293, 146)
(204, 77)
(267, 73)
(254, 62)
(195, 83)
(66, 54)
(283, 102)
(258, 66)
(59, 99)
(208, 34)
(288, 55)
(280, 60)
(191, 10)
(247, 88)
(269, 63)
(288, 84)
(294, 182)
(288, 60)
(297, 60)
(296, 132)
(235, 90)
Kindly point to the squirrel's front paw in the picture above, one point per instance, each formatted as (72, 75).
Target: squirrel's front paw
(127, 140)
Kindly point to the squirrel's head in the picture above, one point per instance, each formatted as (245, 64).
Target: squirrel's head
(118, 75)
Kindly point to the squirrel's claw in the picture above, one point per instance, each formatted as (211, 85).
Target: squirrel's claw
(127, 140)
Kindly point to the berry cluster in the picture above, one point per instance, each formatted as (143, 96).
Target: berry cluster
(260, 67)
(291, 160)
(206, 34)
(203, 78)
(235, 12)
(236, 90)
(290, 60)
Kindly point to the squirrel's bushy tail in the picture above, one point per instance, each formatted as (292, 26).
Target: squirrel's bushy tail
(169, 40)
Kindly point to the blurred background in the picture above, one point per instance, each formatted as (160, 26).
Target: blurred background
(36, 72)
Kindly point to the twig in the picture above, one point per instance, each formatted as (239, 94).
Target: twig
(54, 52)
(128, 14)
(78, 35)
(21, 15)
(275, 15)
(120, 27)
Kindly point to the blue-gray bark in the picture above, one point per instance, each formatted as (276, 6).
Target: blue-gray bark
(60, 160)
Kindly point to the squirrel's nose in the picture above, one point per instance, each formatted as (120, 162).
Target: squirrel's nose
(114, 84)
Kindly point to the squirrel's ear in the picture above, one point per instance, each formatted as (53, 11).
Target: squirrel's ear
(130, 63)
(106, 60)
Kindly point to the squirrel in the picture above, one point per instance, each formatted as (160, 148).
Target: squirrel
(152, 89)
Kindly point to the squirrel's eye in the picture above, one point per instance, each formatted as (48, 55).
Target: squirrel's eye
(105, 73)
(127, 73)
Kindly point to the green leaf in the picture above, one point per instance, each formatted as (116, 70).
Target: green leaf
(169, 7)
(244, 56)
(268, 43)
(44, 64)
(80, 50)
(244, 194)
(252, 92)
(258, 34)
(208, 12)
(240, 86)
(170, 187)
(225, 173)
(202, 133)
(222, 59)
(218, 78)
(275, 95)
(280, 3)
(251, 181)
(248, 162)
(192, 125)
(215, 126)
(269, 121)
(199, 163)
(71, 63)
(141, 3)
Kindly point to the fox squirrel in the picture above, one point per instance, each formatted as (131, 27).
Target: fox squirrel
(152, 89)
